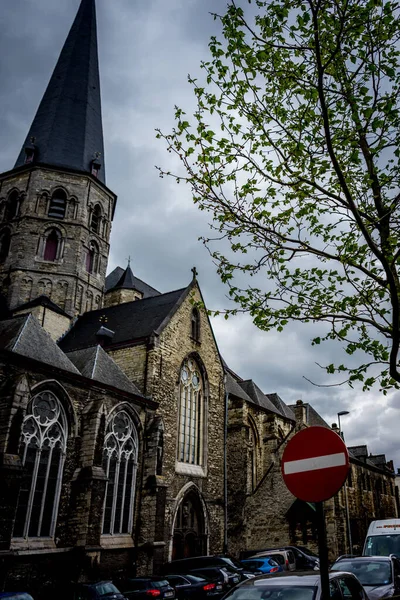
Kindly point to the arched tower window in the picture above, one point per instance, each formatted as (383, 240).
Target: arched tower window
(95, 219)
(196, 324)
(5, 240)
(191, 415)
(43, 447)
(58, 205)
(51, 244)
(12, 205)
(92, 258)
(120, 465)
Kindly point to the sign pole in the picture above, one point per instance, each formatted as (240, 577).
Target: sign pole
(323, 551)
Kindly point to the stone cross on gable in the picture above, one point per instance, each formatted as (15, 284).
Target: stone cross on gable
(195, 272)
(129, 260)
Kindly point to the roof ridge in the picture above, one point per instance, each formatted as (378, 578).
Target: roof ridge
(21, 332)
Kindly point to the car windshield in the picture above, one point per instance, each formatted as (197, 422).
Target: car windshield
(103, 589)
(367, 572)
(261, 591)
(382, 545)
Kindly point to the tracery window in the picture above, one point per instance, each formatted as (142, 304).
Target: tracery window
(58, 204)
(12, 206)
(195, 324)
(43, 447)
(120, 465)
(191, 414)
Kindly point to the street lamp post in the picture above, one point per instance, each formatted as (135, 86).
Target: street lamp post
(342, 413)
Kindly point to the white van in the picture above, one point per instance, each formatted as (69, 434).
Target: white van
(383, 538)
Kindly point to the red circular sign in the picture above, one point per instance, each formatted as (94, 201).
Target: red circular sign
(315, 464)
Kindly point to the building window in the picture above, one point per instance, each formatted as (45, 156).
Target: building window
(5, 240)
(51, 243)
(95, 219)
(196, 324)
(44, 439)
(120, 465)
(92, 258)
(58, 204)
(191, 415)
(11, 209)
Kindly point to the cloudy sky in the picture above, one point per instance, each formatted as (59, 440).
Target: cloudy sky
(147, 48)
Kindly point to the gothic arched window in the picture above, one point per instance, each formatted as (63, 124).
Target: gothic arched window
(191, 415)
(43, 447)
(51, 244)
(120, 465)
(95, 219)
(5, 240)
(195, 324)
(92, 258)
(58, 204)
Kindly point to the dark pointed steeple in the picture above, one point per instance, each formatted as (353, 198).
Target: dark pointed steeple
(67, 129)
(127, 280)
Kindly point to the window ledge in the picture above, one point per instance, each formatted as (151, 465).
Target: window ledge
(33, 544)
(120, 540)
(187, 469)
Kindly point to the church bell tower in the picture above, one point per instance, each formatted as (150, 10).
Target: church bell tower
(55, 208)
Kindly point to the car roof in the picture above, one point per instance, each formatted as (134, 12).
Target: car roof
(299, 578)
(365, 558)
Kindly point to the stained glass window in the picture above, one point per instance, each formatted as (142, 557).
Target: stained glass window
(120, 465)
(43, 447)
(191, 415)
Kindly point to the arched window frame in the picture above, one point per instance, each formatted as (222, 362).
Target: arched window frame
(44, 431)
(5, 243)
(52, 245)
(120, 459)
(191, 421)
(195, 325)
(57, 205)
(96, 219)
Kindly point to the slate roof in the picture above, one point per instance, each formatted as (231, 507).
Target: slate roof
(312, 417)
(120, 278)
(233, 387)
(257, 396)
(131, 320)
(25, 336)
(96, 364)
(281, 406)
(68, 127)
(42, 301)
(360, 452)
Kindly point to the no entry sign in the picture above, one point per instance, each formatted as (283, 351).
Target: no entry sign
(315, 464)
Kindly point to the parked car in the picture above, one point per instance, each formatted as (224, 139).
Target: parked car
(143, 588)
(261, 565)
(298, 586)
(305, 558)
(284, 558)
(220, 574)
(194, 587)
(102, 590)
(187, 565)
(16, 596)
(379, 575)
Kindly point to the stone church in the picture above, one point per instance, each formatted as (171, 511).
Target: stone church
(125, 440)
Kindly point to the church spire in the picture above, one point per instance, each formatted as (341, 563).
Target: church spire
(67, 129)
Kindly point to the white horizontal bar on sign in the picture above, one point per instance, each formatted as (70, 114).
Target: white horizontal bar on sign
(314, 463)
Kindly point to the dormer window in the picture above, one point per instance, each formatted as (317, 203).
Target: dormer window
(96, 165)
(95, 219)
(195, 325)
(30, 151)
(58, 205)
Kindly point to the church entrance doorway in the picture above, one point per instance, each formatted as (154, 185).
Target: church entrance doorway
(189, 537)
